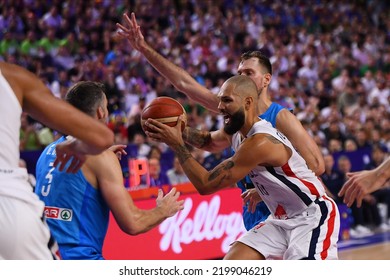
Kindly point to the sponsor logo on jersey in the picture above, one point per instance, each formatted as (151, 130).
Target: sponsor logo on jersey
(56, 213)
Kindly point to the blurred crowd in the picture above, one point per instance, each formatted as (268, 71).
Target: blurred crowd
(331, 66)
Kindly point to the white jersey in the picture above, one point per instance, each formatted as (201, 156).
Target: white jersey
(10, 113)
(24, 233)
(287, 190)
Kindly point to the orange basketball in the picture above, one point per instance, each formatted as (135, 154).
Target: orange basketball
(165, 110)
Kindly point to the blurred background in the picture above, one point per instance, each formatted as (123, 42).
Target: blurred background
(331, 66)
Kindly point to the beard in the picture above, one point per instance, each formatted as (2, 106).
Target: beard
(237, 120)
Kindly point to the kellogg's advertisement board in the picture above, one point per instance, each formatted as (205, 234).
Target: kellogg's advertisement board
(204, 229)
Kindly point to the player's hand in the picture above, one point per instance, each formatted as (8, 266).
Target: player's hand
(172, 136)
(358, 186)
(169, 204)
(67, 151)
(131, 31)
(119, 150)
(251, 198)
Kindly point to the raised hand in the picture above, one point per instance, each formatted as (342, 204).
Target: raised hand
(132, 32)
(119, 150)
(169, 204)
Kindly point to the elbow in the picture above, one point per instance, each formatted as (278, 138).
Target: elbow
(109, 141)
(105, 140)
(131, 230)
(319, 168)
(180, 85)
(203, 192)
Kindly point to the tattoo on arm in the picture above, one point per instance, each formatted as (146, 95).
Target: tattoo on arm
(182, 153)
(223, 168)
(196, 138)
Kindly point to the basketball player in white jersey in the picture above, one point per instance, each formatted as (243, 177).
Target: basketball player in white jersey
(304, 222)
(23, 232)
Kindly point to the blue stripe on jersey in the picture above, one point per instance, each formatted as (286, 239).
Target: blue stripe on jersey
(306, 199)
(316, 232)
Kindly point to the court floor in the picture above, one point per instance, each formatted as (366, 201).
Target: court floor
(373, 247)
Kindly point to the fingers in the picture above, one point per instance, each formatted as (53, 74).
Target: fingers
(181, 204)
(154, 125)
(61, 160)
(75, 163)
(160, 194)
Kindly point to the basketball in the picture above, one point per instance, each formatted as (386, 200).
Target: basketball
(165, 110)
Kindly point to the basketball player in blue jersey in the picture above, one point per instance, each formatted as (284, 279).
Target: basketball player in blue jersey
(77, 205)
(24, 234)
(304, 222)
(258, 68)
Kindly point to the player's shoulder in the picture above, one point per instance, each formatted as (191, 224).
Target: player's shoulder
(106, 155)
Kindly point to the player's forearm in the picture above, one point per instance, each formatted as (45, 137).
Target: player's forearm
(383, 172)
(88, 149)
(177, 76)
(145, 220)
(202, 180)
(180, 78)
(197, 138)
(314, 162)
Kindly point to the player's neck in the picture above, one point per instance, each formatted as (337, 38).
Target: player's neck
(264, 103)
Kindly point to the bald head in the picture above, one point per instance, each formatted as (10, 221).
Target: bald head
(241, 85)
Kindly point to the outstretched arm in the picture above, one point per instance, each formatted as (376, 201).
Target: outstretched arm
(129, 217)
(177, 76)
(365, 182)
(292, 128)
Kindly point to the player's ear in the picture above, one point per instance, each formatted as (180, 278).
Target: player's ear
(248, 102)
(267, 79)
(100, 113)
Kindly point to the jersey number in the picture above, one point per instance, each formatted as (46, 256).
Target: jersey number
(49, 176)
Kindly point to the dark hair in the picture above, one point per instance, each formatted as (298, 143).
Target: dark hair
(263, 60)
(86, 96)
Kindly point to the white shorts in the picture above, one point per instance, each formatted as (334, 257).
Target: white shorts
(24, 235)
(311, 235)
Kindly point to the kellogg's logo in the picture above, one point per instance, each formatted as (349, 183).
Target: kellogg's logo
(207, 224)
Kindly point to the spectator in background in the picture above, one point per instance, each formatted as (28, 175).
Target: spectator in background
(380, 93)
(29, 140)
(143, 149)
(349, 99)
(212, 160)
(136, 109)
(117, 124)
(155, 152)
(157, 177)
(333, 179)
(176, 174)
(334, 145)
(350, 145)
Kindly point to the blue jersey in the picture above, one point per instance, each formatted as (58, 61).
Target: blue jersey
(76, 211)
(261, 213)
